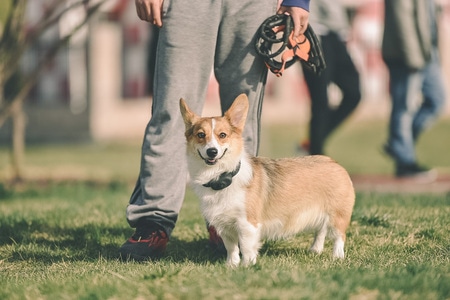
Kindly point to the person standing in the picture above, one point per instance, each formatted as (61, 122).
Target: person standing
(410, 51)
(331, 24)
(195, 37)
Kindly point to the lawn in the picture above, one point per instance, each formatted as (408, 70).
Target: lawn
(60, 231)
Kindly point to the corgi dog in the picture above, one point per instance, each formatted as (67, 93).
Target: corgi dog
(248, 199)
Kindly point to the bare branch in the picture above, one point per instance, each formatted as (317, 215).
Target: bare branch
(13, 35)
(31, 79)
(12, 60)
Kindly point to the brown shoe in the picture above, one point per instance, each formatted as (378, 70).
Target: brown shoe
(145, 244)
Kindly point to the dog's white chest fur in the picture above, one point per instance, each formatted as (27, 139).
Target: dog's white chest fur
(226, 207)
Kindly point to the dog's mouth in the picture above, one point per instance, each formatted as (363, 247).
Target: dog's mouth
(211, 160)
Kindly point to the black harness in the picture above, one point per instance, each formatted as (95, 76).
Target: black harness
(224, 180)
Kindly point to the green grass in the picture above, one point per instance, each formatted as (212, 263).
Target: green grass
(60, 241)
(60, 231)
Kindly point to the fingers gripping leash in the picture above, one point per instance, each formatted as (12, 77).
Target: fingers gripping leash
(276, 44)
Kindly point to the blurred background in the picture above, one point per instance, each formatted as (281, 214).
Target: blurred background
(96, 89)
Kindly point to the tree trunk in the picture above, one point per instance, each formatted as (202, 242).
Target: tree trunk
(18, 141)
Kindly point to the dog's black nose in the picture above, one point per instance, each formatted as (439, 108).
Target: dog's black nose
(212, 152)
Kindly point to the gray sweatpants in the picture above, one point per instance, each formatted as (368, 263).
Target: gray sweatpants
(197, 36)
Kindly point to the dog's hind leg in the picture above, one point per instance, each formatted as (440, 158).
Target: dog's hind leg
(319, 239)
(338, 247)
(339, 241)
(338, 233)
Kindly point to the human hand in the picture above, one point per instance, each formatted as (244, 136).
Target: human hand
(150, 11)
(299, 16)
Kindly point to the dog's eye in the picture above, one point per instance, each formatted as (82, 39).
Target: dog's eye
(201, 135)
(222, 135)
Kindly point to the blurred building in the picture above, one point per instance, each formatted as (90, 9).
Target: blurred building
(98, 87)
(101, 76)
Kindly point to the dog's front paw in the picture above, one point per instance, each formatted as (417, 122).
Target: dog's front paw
(316, 249)
(232, 247)
(233, 262)
(247, 262)
(233, 258)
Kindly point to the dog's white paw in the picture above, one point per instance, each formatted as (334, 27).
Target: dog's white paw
(249, 261)
(233, 259)
(233, 263)
(338, 249)
(316, 249)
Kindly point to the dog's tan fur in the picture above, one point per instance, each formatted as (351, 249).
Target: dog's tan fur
(268, 198)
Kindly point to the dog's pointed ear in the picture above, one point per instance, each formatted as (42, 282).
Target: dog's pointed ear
(188, 115)
(237, 113)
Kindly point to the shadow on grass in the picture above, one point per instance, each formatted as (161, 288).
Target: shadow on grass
(197, 251)
(39, 241)
(201, 252)
(47, 243)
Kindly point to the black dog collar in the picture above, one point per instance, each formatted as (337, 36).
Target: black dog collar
(224, 179)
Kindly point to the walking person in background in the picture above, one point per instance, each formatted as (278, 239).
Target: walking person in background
(410, 51)
(195, 37)
(331, 24)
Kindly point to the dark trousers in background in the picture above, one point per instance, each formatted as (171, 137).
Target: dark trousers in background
(341, 71)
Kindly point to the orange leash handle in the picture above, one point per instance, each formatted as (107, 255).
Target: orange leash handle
(302, 48)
